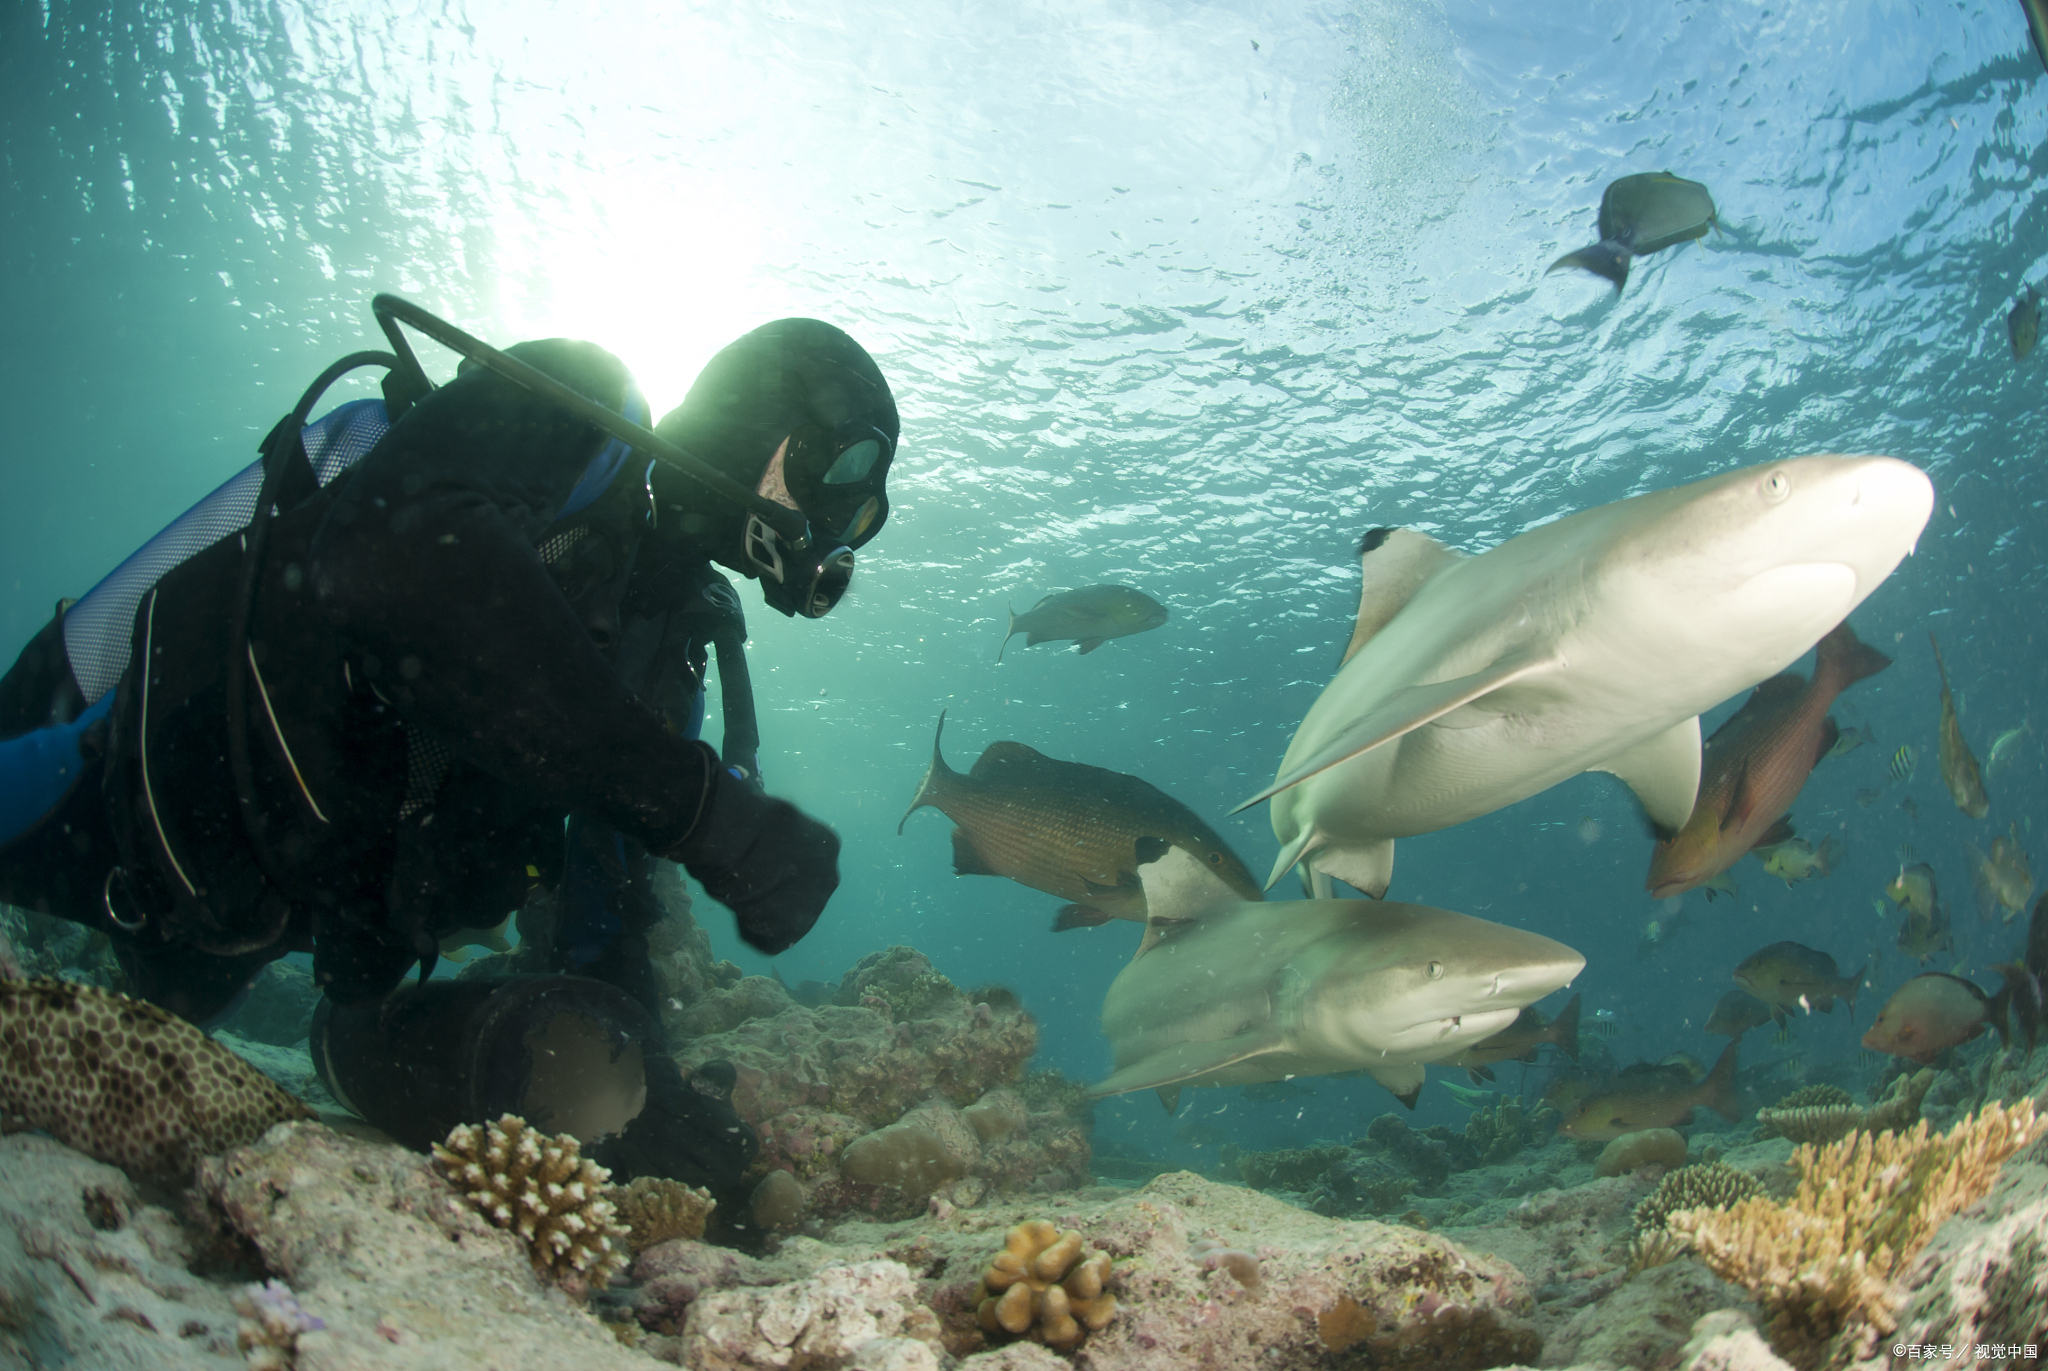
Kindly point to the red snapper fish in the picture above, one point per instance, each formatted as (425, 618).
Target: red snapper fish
(1756, 762)
(1932, 1013)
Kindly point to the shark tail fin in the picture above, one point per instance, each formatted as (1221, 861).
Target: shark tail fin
(1606, 258)
(1169, 1095)
(1718, 1091)
(936, 778)
(1565, 1030)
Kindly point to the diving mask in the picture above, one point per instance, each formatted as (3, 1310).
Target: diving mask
(834, 478)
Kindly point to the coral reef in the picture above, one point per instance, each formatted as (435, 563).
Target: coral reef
(272, 1321)
(1044, 1285)
(864, 1315)
(1242, 1265)
(818, 1083)
(1712, 1185)
(1819, 1265)
(902, 983)
(656, 1209)
(777, 1203)
(1289, 1169)
(125, 1081)
(1499, 1131)
(1825, 1113)
(544, 1190)
(1651, 1147)
(45, 946)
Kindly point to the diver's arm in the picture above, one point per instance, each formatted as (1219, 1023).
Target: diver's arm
(736, 699)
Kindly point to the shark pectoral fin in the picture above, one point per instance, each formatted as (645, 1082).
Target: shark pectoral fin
(1663, 771)
(1396, 562)
(1320, 886)
(1407, 710)
(1404, 1081)
(1368, 867)
(1191, 1061)
(1302, 844)
(1088, 645)
(1169, 1096)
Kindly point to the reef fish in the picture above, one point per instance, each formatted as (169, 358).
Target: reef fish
(1519, 1040)
(2005, 747)
(1090, 616)
(1065, 828)
(1756, 762)
(1639, 215)
(1785, 975)
(1588, 644)
(1903, 762)
(1929, 1014)
(1660, 1096)
(1735, 1013)
(2002, 879)
(2023, 324)
(1958, 765)
(2026, 980)
(1847, 740)
(1237, 992)
(1925, 929)
(1796, 860)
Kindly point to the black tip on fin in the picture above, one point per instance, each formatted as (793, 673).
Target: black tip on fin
(1605, 258)
(1408, 1100)
(1373, 539)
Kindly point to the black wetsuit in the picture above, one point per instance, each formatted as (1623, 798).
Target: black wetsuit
(438, 659)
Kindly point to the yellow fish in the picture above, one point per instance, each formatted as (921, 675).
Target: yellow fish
(1797, 860)
(1958, 765)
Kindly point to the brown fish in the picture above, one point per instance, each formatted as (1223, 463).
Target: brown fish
(1520, 1039)
(1958, 764)
(2026, 980)
(1736, 1013)
(1066, 828)
(2002, 879)
(1785, 975)
(1755, 763)
(1645, 1096)
(1090, 616)
(1930, 1014)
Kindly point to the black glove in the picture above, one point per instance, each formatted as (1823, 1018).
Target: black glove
(764, 859)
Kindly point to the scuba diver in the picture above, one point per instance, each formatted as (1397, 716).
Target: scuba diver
(433, 652)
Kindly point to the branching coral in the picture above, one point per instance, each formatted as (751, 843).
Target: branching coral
(1715, 1185)
(1043, 1284)
(1824, 1113)
(127, 1082)
(656, 1209)
(544, 1190)
(1821, 1263)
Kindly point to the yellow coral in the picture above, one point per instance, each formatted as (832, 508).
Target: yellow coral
(544, 1190)
(656, 1209)
(1042, 1283)
(1822, 1262)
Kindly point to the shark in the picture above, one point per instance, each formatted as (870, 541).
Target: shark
(1590, 643)
(1235, 992)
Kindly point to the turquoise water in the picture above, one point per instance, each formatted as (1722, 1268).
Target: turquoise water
(1182, 295)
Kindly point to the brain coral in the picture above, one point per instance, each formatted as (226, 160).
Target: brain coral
(543, 1189)
(127, 1082)
(1042, 1283)
(1659, 1146)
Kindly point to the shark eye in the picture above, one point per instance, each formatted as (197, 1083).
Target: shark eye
(1216, 859)
(1435, 971)
(1777, 486)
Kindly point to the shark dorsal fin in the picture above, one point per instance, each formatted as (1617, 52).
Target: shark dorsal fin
(1396, 562)
(1180, 887)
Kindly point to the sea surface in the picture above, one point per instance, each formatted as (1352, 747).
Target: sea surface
(1183, 295)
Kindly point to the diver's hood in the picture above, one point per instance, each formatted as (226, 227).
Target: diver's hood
(800, 379)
